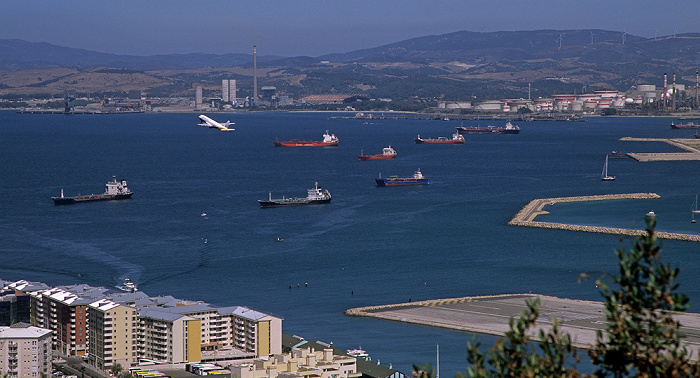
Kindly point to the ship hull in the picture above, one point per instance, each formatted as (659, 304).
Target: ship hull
(400, 181)
(305, 144)
(374, 157)
(435, 141)
(90, 198)
(484, 130)
(688, 126)
(292, 202)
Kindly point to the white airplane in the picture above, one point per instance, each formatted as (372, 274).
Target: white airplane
(210, 123)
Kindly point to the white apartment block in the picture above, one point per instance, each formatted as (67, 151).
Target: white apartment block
(25, 351)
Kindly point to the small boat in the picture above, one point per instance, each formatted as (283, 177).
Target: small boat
(689, 125)
(617, 155)
(416, 179)
(604, 175)
(127, 286)
(329, 140)
(114, 190)
(508, 129)
(359, 353)
(387, 153)
(315, 195)
(694, 209)
(457, 138)
(651, 214)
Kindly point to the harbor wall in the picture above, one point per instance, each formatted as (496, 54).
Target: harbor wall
(526, 217)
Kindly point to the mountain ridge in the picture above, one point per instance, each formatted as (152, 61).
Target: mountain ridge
(452, 65)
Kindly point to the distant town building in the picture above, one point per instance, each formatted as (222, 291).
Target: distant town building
(269, 96)
(198, 98)
(330, 99)
(25, 351)
(228, 91)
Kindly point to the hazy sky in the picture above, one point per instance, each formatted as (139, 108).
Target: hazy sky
(315, 27)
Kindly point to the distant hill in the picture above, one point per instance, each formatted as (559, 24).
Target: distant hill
(17, 55)
(451, 66)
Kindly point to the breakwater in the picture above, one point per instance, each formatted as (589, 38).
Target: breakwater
(526, 217)
(691, 146)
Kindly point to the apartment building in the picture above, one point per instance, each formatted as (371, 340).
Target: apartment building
(169, 337)
(112, 334)
(64, 313)
(236, 327)
(25, 351)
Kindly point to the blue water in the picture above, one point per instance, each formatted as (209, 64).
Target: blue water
(369, 246)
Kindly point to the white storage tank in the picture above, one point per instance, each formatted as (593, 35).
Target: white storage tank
(489, 106)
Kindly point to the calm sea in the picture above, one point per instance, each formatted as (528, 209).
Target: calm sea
(369, 246)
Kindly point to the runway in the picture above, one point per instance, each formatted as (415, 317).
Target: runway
(490, 315)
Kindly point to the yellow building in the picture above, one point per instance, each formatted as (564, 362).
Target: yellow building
(112, 329)
(170, 337)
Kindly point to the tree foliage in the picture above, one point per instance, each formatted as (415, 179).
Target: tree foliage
(642, 338)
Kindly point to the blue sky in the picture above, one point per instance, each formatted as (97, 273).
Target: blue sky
(315, 27)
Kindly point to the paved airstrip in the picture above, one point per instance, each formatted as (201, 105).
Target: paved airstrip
(490, 315)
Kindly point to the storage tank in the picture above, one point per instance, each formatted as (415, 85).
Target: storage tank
(646, 88)
(489, 106)
(577, 106)
(458, 105)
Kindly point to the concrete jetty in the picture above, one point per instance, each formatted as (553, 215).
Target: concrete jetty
(690, 146)
(490, 315)
(526, 217)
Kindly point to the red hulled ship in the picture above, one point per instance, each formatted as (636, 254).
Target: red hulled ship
(387, 153)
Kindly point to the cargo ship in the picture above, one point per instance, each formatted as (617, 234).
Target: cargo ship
(115, 190)
(416, 179)
(315, 195)
(688, 125)
(457, 138)
(387, 153)
(329, 140)
(509, 128)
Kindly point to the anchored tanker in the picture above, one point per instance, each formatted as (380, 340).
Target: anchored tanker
(210, 123)
(115, 190)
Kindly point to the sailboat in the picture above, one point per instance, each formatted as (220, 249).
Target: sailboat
(694, 210)
(604, 175)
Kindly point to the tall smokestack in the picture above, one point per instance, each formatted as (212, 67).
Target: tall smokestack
(663, 95)
(255, 76)
(697, 84)
(673, 94)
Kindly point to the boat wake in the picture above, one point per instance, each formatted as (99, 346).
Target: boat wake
(71, 253)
